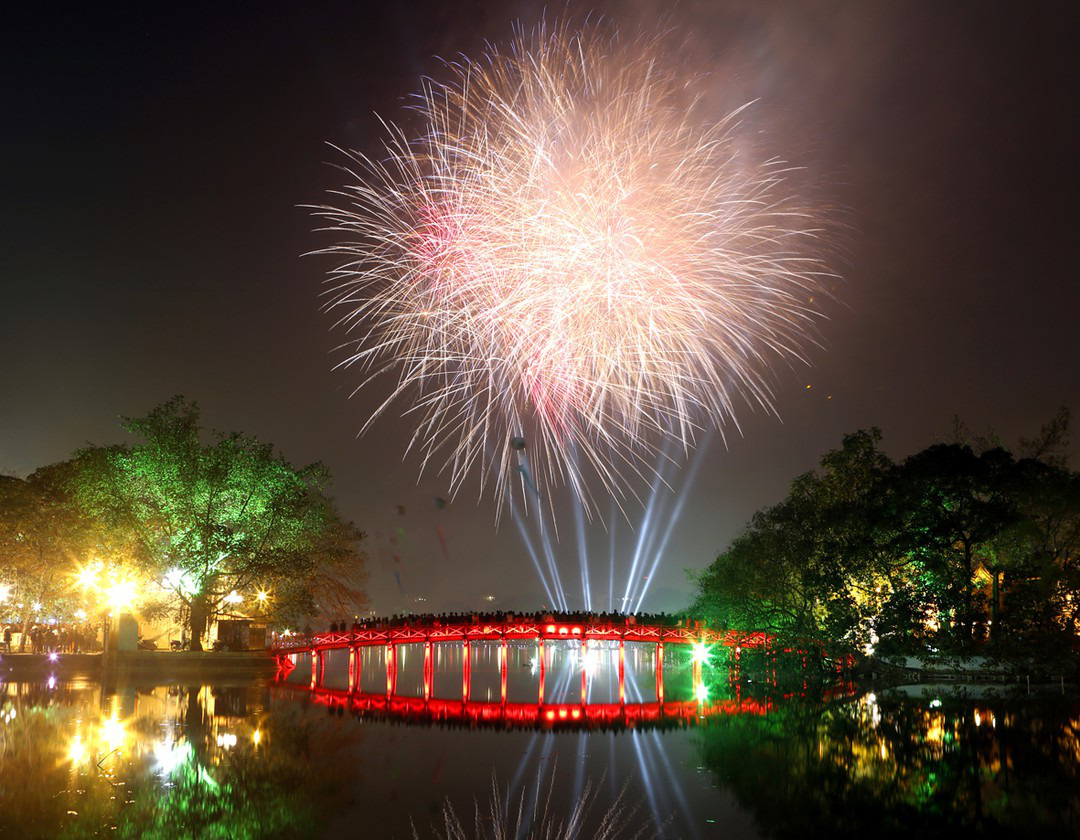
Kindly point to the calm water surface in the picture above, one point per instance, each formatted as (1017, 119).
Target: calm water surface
(266, 758)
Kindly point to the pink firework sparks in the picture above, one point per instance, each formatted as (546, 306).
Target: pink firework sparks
(569, 253)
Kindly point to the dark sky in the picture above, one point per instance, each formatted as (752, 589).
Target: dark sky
(154, 160)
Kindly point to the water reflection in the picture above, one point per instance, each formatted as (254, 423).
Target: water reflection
(259, 759)
(902, 762)
(160, 761)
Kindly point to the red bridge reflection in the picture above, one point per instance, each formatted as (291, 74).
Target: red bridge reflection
(472, 713)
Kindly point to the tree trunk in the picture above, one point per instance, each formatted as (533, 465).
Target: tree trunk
(967, 627)
(25, 629)
(200, 610)
(994, 597)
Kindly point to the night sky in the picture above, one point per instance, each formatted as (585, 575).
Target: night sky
(155, 161)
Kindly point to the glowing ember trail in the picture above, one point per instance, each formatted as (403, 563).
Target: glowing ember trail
(569, 260)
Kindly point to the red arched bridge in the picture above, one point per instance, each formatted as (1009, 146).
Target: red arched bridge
(502, 629)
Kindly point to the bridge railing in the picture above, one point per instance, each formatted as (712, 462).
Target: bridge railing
(515, 631)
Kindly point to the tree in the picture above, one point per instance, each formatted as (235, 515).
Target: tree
(952, 548)
(953, 504)
(1036, 561)
(43, 538)
(808, 567)
(209, 519)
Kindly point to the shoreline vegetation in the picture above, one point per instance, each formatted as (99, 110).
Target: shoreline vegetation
(179, 528)
(962, 557)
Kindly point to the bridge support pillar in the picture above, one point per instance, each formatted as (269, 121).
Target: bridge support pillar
(391, 668)
(622, 671)
(584, 680)
(355, 652)
(503, 657)
(659, 672)
(428, 668)
(540, 655)
(466, 671)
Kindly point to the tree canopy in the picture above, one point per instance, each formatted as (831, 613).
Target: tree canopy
(211, 518)
(955, 547)
(189, 518)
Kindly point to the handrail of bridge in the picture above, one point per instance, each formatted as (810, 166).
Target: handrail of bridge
(514, 628)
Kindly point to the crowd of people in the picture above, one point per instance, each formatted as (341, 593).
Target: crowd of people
(549, 617)
(48, 638)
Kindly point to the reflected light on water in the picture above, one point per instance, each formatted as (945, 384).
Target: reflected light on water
(260, 759)
(169, 756)
(77, 750)
(112, 733)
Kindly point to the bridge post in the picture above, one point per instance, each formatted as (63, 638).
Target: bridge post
(622, 671)
(659, 672)
(504, 657)
(427, 670)
(316, 661)
(584, 685)
(353, 665)
(466, 671)
(540, 653)
(391, 668)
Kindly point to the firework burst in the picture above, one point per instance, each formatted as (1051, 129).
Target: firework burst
(568, 264)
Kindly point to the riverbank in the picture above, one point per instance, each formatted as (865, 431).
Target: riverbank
(151, 663)
(974, 669)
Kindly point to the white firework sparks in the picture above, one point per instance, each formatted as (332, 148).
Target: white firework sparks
(570, 259)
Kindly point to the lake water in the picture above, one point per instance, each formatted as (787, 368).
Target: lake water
(271, 758)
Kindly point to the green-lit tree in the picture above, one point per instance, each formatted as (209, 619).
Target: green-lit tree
(210, 517)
